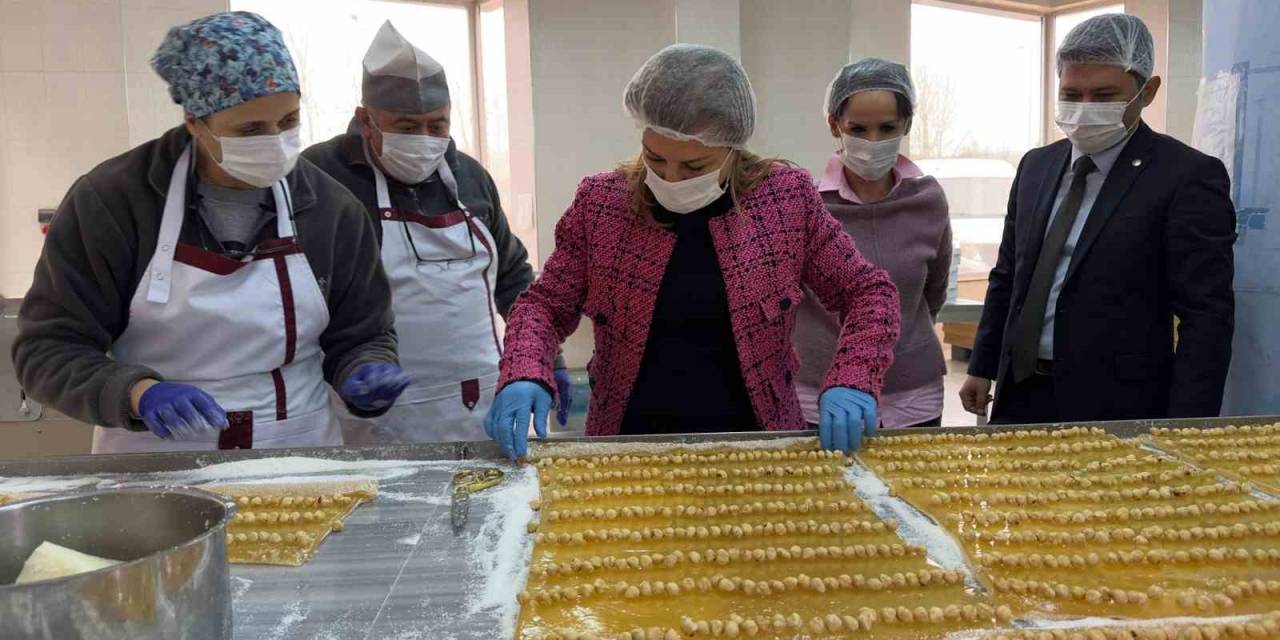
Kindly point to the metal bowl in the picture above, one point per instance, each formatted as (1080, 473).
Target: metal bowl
(174, 582)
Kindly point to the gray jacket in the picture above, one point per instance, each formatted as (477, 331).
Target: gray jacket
(98, 248)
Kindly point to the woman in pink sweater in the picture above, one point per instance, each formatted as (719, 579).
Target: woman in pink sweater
(690, 262)
(899, 219)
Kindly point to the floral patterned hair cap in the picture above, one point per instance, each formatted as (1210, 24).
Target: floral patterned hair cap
(223, 60)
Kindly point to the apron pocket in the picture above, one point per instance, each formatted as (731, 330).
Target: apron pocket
(240, 434)
(470, 393)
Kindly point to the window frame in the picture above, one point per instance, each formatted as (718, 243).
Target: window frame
(1019, 9)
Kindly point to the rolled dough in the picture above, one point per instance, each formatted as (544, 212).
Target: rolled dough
(51, 561)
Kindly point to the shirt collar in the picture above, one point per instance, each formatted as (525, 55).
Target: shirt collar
(1106, 158)
(833, 178)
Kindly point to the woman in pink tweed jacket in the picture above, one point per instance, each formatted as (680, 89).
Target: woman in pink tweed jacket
(614, 246)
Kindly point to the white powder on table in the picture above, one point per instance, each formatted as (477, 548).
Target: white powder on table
(503, 548)
(914, 527)
(294, 614)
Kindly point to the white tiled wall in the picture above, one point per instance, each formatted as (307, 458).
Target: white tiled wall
(76, 88)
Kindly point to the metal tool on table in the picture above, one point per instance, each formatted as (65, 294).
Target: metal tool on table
(466, 482)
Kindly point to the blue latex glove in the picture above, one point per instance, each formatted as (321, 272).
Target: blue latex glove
(375, 386)
(508, 419)
(564, 389)
(180, 412)
(847, 414)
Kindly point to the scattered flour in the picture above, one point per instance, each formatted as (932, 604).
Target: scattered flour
(18, 485)
(503, 547)
(1094, 622)
(395, 496)
(272, 468)
(294, 614)
(239, 587)
(914, 527)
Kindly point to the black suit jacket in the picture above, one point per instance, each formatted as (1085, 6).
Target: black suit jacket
(1158, 244)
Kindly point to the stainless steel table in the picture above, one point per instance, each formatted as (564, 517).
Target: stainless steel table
(398, 571)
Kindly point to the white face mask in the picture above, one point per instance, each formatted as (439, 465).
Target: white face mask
(411, 158)
(1094, 126)
(870, 160)
(260, 161)
(686, 196)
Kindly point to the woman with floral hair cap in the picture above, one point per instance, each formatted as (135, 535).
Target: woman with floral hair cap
(198, 291)
(690, 261)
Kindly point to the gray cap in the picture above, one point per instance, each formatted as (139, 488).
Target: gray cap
(401, 77)
(1112, 39)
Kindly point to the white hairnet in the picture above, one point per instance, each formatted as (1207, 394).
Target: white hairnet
(869, 74)
(692, 92)
(1113, 39)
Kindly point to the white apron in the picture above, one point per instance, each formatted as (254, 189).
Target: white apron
(442, 271)
(247, 332)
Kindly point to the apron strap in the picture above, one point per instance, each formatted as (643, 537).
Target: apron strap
(170, 227)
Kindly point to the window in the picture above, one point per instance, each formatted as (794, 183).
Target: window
(1062, 24)
(328, 41)
(980, 105)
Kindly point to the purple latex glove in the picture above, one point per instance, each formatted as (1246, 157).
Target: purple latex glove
(508, 419)
(180, 412)
(564, 391)
(847, 414)
(375, 386)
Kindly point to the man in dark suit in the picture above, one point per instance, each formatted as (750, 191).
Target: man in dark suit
(1115, 238)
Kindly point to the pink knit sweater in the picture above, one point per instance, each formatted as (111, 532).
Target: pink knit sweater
(608, 265)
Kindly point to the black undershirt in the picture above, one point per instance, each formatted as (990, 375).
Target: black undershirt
(690, 379)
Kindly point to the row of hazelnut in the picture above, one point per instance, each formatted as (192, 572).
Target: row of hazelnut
(691, 489)
(695, 511)
(292, 501)
(780, 471)
(727, 556)
(1099, 496)
(736, 584)
(1021, 451)
(609, 461)
(745, 530)
(1128, 557)
(1228, 431)
(1121, 514)
(1144, 536)
(1055, 480)
(288, 517)
(1001, 436)
(302, 538)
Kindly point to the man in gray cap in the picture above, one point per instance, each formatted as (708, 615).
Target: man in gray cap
(453, 263)
(1113, 236)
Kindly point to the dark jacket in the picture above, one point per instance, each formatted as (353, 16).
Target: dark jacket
(1157, 245)
(98, 248)
(343, 158)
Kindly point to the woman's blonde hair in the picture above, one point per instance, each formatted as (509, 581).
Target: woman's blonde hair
(746, 172)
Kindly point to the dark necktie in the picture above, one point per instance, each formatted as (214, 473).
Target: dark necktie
(1026, 346)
